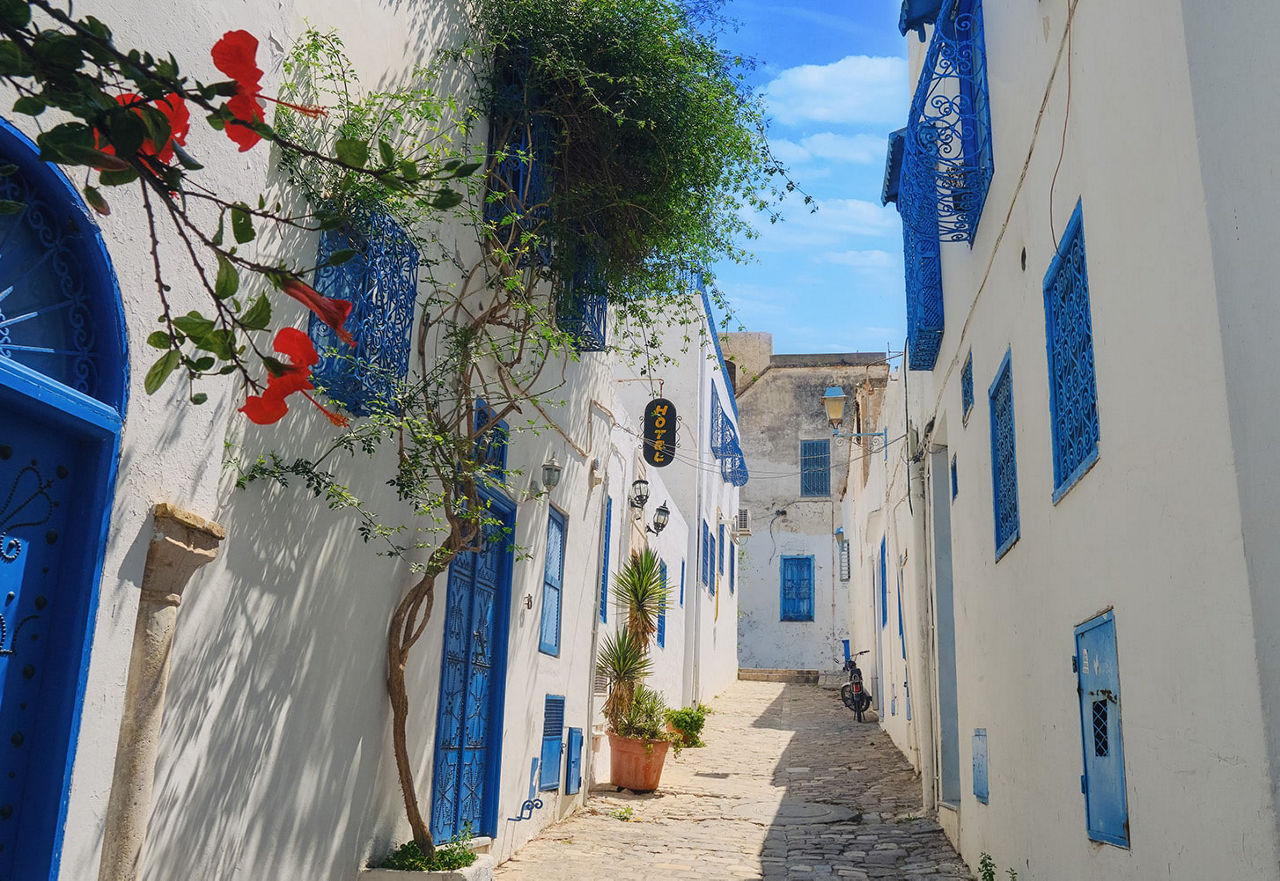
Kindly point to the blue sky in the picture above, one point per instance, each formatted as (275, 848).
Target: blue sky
(834, 77)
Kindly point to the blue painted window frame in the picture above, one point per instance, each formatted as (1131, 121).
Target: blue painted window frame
(662, 608)
(981, 784)
(1106, 806)
(711, 562)
(798, 606)
(604, 560)
(491, 446)
(1004, 468)
(583, 307)
(955, 481)
(573, 767)
(553, 588)
(733, 567)
(815, 468)
(705, 561)
(966, 388)
(552, 742)
(682, 562)
(884, 584)
(720, 550)
(1073, 389)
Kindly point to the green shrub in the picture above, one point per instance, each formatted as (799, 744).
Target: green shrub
(646, 718)
(454, 855)
(688, 723)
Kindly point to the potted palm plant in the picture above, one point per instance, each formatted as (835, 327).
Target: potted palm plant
(638, 736)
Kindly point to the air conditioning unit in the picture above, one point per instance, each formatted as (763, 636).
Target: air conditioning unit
(743, 522)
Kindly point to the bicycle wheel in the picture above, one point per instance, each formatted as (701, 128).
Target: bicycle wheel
(846, 695)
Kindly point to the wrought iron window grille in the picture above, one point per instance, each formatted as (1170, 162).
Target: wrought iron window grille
(815, 468)
(492, 439)
(926, 321)
(519, 187)
(1073, 391)
(583, 308)
(947, 162)
(725, 445)
(1004, 459)
(966, 387)
(381, 283)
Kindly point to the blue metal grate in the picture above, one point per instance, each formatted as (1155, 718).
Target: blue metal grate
(922, 259)
(492, 438)
(519, 186)
(381, 283)
(797, 589)
(966, 386)
(583, 310)
(1073, 392)
(662, 609)
(706, 553)
(947, 163)
(884, 584)
(815, 468)
(1004, 459)
(604, 560)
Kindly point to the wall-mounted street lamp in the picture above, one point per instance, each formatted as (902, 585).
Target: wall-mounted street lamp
(639, 493)
(660, 519)
(551, 472)
(833, 401)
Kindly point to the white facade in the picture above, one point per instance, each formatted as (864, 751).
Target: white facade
(1166, 531)
(275, 752)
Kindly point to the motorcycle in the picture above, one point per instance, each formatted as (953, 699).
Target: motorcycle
(853, 693)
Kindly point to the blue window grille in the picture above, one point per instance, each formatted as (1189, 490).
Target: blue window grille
(724, 441)
(552, 584)
(706, 553)
(902, 633)
(711, 561)
(815, 468)
(1103, 783)
(604, 561)
(926, 321)
(797, 589)
(884, 585)
(552, 742)
(720, 551)
(966, 387)
(1004, 459)
(583, 309)
(381, 284)
(519, 185)
(916, 14)
(682, 584)
(662, 608)
(981, 789)
(955, 484)
(492, 437)
(1073, 392)
(573, 767)
(947, 162)
(733, 566)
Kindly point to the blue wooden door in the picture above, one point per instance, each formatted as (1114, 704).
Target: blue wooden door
(1099, 680)
(62, 392)
(472, 685)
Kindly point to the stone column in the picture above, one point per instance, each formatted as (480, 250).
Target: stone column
(182, 543)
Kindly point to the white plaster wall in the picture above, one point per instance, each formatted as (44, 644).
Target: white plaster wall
(1154, 529)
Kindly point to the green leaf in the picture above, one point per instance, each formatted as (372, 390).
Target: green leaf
(274, 366)
(257, 316)
(203, 363)
(78, 155)
(387, 152)
(10, 207)
(194, 325)
(160, 371)
(159, 339)
(220, 342)
(217, 236)
(189, 163)
(467, 169)
(30, 105)
(118, 178)
(446, 199)
(341, 256)
(241, 223)
(15, 13)
(199, 398)
(94, 197)
(12, 61)
(352, 151)
(228, 280)
(409, 170)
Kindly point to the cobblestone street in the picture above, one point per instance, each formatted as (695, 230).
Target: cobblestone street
(788, 786)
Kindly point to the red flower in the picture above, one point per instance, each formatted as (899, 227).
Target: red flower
(269, 407)
(332, 312)
(235, 55)
(174, 109)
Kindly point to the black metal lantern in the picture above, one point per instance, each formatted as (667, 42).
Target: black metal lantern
(639, 493)
(551, 473)
(660, 518)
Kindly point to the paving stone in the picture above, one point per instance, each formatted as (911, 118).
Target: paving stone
(789, 788)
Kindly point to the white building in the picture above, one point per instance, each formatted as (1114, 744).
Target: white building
(1080, 516)
(795, 564)
(274, 756)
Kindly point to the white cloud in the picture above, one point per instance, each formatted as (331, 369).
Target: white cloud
(829, 146)
(861, 259)
(857, 89)
(831, 226)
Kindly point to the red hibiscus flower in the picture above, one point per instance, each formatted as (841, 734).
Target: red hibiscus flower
(235, 55)
(174, 109)
(332, 312)
(270, 406)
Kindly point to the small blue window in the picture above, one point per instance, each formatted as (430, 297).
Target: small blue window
(381, 284)
(552, 584)
(1004, 459)
(815, 468)
(583, 308)
(966, 386)
(720, 551)
(682, 584)
(884, 585)
(604, 561)
(662, 609)
(552, 742)
(981, 790)
(797, 589)
(1106, 802)
(492, 438)
(955, 483)
(1073, 392)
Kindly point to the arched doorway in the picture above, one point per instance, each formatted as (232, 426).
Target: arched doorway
(63, 383)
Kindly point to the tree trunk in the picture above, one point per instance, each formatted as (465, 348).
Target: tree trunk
(410, 616)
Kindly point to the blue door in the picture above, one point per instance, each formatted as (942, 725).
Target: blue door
(1106, 803)
(62, 392)
(472, 684)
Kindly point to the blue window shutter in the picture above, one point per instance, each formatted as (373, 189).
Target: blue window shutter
(552, 584)
(733, 561)
(966, 386)
(720, 550)
(981, 790)
(796, 589)
(552, 739)
(1073, 391)
(573, 767)
(604, 564)
(955, 483)
(1004, 459)
(1098, 678)
(662, 610)
(682, 584)
(706, 553)
(711, 562)
(884, 586)
(491, 446)
(815, 468)
(902, 636)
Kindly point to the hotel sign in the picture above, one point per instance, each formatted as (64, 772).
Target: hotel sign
(659, 432)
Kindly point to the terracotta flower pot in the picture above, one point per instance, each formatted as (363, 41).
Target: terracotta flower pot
(636, 764)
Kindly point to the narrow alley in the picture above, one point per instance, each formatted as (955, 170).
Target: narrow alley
(788, 786)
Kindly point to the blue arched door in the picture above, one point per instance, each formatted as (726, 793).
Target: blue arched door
(62, 395)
